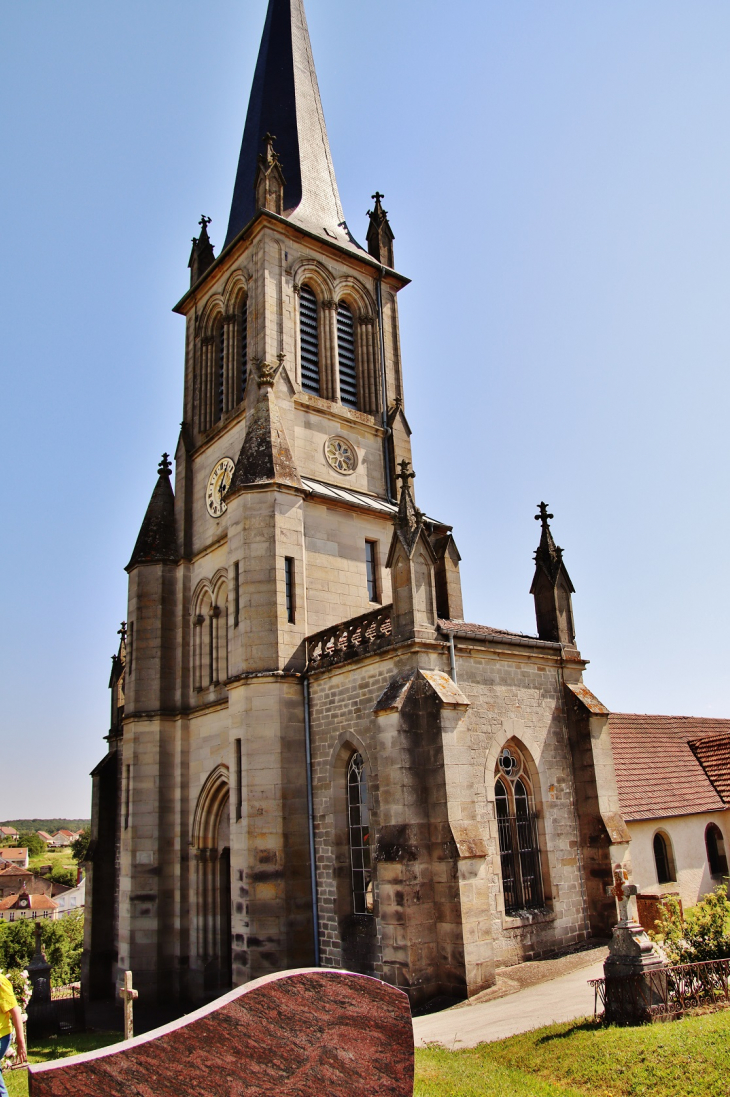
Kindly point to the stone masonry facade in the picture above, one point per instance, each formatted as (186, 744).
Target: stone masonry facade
(313, 758)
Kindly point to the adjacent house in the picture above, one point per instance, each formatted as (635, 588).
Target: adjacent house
(17, 855)
(72, 899)
(8, 833)
(13, 880)
(25, 905)
(47, 838)
(673, 776)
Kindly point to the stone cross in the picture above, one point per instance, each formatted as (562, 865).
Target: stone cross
(128, 996)
(622, 892)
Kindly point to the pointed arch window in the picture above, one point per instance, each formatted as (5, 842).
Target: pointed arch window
(243, 345)
(346, 355)
(518, 834)
(358, 819)
(309, 338)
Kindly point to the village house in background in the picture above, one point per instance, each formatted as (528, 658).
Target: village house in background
(71, 899)
(13, 880)
(673, 775)
(8, 833)
(27, 905)
(15, 855)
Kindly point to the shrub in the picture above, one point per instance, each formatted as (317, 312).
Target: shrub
(20, 983)
(62, 942)
(31, 841)
(80, 845)
(703, 933)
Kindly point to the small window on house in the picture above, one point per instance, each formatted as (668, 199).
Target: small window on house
(289, 587)
(371, 570)
(715, 845)
(309, 337)
(358, 817)
(346, 355)
(663, 859)
(243, 345)
(518, 835)
(220, 388)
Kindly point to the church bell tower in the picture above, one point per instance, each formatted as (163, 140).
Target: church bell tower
(278, 526)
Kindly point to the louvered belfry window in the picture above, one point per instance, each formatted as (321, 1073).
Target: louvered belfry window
(518, 835)
(243, 328)
(221, 338)
(309, 330)
(346, 355)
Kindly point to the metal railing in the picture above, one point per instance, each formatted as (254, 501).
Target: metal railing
(664, 992)
(351, 639)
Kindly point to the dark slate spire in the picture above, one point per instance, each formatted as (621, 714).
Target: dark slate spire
(285, 101)
(265, 456)
(202, 255)
(380, 234)
(157, 540)
(552, 587)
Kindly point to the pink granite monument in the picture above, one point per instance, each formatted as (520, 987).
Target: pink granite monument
(304, 1033)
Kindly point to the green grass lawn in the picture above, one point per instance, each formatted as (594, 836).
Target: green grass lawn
(57, 1047)
(687, 1058)
(53, 857)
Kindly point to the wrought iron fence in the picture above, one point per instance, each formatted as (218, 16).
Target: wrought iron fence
(663, 992)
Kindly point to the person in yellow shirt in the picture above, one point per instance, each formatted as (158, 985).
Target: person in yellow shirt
(10, 1018)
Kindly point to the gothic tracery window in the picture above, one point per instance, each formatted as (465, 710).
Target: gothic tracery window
(358, 818)
(518, 834)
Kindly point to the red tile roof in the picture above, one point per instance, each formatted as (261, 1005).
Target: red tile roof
(657, 773)
(37, 902)
(713, 752)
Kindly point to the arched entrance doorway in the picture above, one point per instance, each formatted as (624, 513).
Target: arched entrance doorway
(212, 905)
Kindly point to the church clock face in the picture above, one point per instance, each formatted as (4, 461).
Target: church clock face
(219, 482)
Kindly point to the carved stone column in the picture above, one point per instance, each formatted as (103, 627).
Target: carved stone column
(367, 377)
(329, 381)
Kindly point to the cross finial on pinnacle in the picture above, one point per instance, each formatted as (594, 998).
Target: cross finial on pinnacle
(377, 196)
(122, 631)
(543, 516)
(165, 468)
(204, 221)
(405, 475)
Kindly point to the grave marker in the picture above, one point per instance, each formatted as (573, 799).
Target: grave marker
(294, 1034)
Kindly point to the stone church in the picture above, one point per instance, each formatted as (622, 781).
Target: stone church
(313, 758)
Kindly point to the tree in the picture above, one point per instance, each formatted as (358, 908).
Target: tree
(62, 944)
(32, 842)
(80, 845)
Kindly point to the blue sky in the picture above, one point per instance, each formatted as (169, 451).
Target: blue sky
(557, 176)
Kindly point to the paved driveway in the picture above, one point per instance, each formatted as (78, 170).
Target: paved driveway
(562, 999)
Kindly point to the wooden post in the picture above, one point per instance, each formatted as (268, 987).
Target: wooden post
(128, 996)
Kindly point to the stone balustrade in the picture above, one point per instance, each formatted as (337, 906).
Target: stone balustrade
(351, 639)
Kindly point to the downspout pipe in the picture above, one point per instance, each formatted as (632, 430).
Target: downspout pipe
(452, 658)
(384, 389)
(310, 819)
